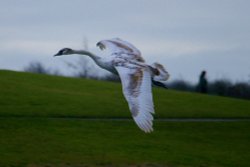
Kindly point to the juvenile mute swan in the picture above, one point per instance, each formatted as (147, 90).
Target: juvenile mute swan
(136, 76)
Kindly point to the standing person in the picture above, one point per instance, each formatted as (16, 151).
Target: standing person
(202, 86)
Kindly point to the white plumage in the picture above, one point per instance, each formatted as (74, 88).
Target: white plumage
(136, 84)
(136, 77)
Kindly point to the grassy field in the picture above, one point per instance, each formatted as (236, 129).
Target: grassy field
(33, 132)
(24, 94)
(55, 142)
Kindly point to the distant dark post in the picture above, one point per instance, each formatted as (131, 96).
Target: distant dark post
(202, 86)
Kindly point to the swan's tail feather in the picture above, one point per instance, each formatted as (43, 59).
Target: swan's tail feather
(159, 72)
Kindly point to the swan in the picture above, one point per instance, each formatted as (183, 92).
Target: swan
(136, 76)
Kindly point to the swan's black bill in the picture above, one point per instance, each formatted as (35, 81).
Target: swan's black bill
(59, 53)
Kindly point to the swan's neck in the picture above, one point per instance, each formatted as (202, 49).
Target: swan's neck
(98, 60)
(84, 52)
(93, 56)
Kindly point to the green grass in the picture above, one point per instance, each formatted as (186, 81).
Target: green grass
(33, 134)
(113, 143)
(24, 94)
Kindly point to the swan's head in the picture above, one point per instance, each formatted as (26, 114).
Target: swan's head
(64, 51)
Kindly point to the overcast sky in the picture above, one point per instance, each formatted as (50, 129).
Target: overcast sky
(186, 36)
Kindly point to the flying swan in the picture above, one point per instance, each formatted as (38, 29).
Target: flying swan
(136, 76)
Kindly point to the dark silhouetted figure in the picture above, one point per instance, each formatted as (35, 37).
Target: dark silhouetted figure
(202, 87)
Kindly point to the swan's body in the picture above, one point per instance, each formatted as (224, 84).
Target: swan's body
(126, 61)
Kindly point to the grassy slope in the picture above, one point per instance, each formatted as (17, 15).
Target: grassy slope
(24, 94)
(43, 141)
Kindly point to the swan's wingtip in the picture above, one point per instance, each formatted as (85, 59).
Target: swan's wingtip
(100, 45)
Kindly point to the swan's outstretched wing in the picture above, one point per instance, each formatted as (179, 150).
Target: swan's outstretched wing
(136, 84)
(121, 48)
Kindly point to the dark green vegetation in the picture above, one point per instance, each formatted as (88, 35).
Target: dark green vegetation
(76, 142)
(32, 132)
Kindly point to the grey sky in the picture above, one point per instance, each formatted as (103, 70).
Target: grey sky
(186, 36)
